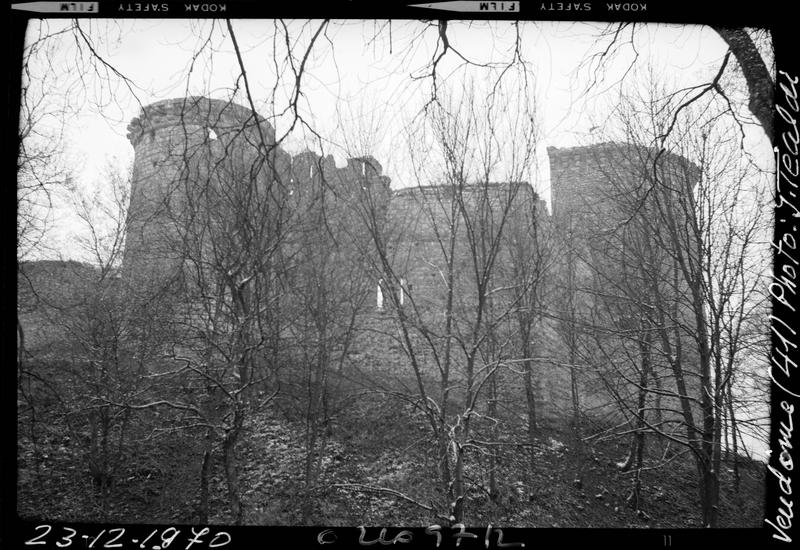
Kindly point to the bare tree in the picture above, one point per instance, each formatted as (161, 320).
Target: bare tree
(83, 323)
(439, 258)
(751, 49)
(529, 242)
(683, 261)
(329, 287)
(245, 269)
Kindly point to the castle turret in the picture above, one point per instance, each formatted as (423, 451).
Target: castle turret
(183, 149)
(623, 215)
(600, 181)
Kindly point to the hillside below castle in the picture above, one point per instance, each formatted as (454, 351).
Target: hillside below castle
(441, 341)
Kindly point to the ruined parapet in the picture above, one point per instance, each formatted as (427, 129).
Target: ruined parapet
(603, 180)
(191, 113)
(204, 166)
(183, 149)
(363, 181)
(604, 194)
(312, 175)
(583, 178)
(348, 195)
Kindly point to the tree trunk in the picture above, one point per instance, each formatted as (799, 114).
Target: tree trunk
(640, 435)
(636, 453)
(444, 459)
(317, 382)
(710, 435)
(312, 432)
(492, 411)
(310, 475)
(732, 415)
(658, 414)
(530, 394)
(757, 75)
(576, 403)
(231, 466)
(205, 474)
(709, 493)
(457, 492)
(20, 350)
(571, 336)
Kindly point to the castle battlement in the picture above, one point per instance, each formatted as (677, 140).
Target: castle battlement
(600, 177)
(195, 112)
(201, 174)
(198, 158)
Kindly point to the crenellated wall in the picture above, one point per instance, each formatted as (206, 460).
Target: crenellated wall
(196, 156)
(199, 157)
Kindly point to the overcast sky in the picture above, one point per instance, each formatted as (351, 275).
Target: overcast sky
(364, 83)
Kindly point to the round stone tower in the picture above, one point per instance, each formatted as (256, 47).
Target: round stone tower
(184, 150)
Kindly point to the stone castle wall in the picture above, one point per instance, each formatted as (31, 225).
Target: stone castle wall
(195, 150)
(598, 184)
(197, 156)
(419, 225)
(605, 198)
(176, 142)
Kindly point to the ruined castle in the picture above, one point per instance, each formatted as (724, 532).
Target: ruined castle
(209, 181)
(196, 155)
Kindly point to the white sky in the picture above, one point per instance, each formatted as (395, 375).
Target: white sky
(359, 88)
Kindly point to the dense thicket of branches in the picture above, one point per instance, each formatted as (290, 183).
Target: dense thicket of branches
(455, 322)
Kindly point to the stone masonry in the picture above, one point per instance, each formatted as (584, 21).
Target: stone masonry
(189, 150)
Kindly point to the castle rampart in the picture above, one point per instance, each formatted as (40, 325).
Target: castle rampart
(204, 156)
(198, 157)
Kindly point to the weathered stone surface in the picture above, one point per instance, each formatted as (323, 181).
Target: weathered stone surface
(194, 154)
